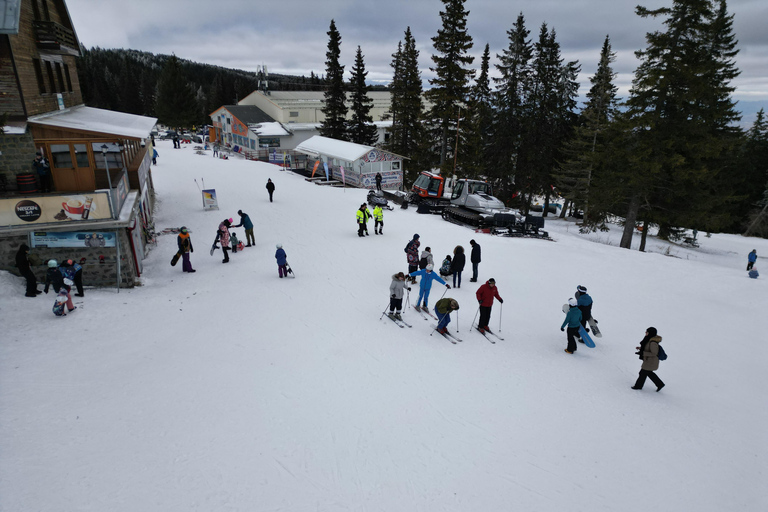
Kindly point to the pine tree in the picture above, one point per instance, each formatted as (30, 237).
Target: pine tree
(450, 86)
(334, 109)
(175, 104)
(753, 165)
(360, 127)
(477, 133)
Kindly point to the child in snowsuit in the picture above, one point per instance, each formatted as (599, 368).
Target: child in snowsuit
(445, 268)
(53, 277)
(58, 305)
(282, 261)
(233, 239)
(443, 309)
(396, 290)
(185, 247)
(485, 295)
(751, 259)
(573, 321)
(585, 305)
(427, 276)
(649, 353)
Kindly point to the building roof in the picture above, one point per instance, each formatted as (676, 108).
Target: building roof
(269, 129)
(249, 114)
(334, 148)
(96, 120)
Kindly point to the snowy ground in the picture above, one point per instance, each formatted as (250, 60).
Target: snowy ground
(230, 389)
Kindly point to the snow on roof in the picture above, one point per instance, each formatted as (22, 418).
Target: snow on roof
(334, 148)
(98, 120)
(269, 129)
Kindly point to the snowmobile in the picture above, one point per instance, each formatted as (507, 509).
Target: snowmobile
(376, 198)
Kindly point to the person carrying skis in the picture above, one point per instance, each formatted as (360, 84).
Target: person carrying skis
(485, 295)
(649, 353)
(475, 259)
(270, 188)
(457, 266)
(53, 277)
(573, 321)
(425, 286)
(185, 247)
(412, 252)
(396, 295)
(360, 217)
(751, 259)
(443, 309)
(426, 258)
(245, 221)
(282, 261)
(224, 238)
(585, 305)
(378, 218)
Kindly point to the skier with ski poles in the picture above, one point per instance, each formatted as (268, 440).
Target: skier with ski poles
(485, 295)
(443, 309)
(396, 290)
(425, 285)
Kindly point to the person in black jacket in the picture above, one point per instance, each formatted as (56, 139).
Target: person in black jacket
(53, 277)
(457, 265)
(475, 259)
(22, 263)
(270, 189)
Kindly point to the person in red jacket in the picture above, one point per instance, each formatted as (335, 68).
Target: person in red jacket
(485, 295)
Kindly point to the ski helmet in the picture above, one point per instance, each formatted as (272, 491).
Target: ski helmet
(572, 302)
(53, 263)
(430, 266)
(279, 246)
(581, 289)
(183, 229)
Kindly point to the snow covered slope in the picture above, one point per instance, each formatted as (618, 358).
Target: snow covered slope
(232, 389)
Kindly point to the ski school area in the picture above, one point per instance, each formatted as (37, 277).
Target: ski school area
(232, 389)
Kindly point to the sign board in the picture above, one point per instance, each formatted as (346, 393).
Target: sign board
(209, 199)
(55, 209)
(51, 239)
(269, 142)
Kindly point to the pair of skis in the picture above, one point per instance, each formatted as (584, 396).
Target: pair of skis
(400, 322)
(488, 334)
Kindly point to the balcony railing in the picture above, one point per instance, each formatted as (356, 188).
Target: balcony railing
(55, 38)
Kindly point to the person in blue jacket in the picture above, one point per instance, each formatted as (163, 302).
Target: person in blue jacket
(245, 221)
(427, 276)
(751, 259)
(573, 321)
(584, 302)
(282, 261)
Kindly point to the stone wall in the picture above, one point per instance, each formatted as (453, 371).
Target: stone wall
(95, 273)
(18, 152)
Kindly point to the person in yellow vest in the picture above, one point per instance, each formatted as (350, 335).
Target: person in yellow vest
(360, 221)
(378, 217)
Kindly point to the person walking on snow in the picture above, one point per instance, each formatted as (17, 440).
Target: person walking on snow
(360, 218)
(412, 255)
(585, 305)
(378, 218)
(443, 309)
(22, 263)
(282, 261)
(224, 238)
(573, 321)
(751, 259)
(457, 265)
(425, 286)
(475, 259)
(270, 188)
(185, 247)
(245, 221)
(367, 216)
(485, 295)
(396, 295)
(649, 353)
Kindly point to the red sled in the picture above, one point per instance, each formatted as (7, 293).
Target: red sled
(240, 246)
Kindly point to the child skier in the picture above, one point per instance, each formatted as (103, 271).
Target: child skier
(443, 309)
(427, 276)
(573, 321)
(282, 261)
(53, 277)
(396, 295)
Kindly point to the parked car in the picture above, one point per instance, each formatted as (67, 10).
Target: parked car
(167, 135)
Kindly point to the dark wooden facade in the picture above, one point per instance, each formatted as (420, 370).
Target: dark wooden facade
(38, 63)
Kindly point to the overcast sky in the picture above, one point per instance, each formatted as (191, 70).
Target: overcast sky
(290, 36)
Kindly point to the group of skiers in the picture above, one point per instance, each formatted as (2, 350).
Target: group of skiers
(363, 216)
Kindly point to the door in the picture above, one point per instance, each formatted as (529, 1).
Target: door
(70, 167)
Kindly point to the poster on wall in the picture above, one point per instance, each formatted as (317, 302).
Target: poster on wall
(80, 239)
(209, 199)
(56, 209)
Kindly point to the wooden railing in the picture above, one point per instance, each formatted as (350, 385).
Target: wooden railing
(55, 38)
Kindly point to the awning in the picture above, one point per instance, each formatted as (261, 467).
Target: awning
(96, 120)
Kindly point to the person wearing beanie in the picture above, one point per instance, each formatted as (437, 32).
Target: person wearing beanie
(648, 351)
(282, 261)
(270, 188)
(25, 270)
(443, 309)
(475, 259)
(224, 238)
(427, 276)
(485, 295)
(396, 291)
(412, 255)
(751, 259)
(573, 321)
(185, 247)
(245, 221)
(585, 305)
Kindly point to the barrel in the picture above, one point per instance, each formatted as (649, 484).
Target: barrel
(26, 183)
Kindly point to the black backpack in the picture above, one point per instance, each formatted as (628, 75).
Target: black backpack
(662, 355)
(423, 263)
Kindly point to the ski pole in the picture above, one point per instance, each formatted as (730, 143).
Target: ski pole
(198, 185)
(473, 320)
(501, 310)
(385, 310)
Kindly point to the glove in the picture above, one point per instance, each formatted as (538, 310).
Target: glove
(408, 289)
(393, 296)
(191, 250)
(562, 329)
(501, 301)
(448, 286)
(480, 302)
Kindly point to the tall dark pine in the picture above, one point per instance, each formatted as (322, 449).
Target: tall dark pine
(450, 87)
(360, 127)
(175, 104)
(334, 110)
(753, 166)
(476, 134)
(680, 110)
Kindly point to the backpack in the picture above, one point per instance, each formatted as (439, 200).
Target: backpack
(662, 355)
(423, 263)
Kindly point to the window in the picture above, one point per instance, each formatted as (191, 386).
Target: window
(69, 79)
(293, 114)
(60, 76)
(49, 72)
(229, 121)
(114, 157)
(61, 157)
(395, 166)
(39, 75)
(81, 155)
(253, 144)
